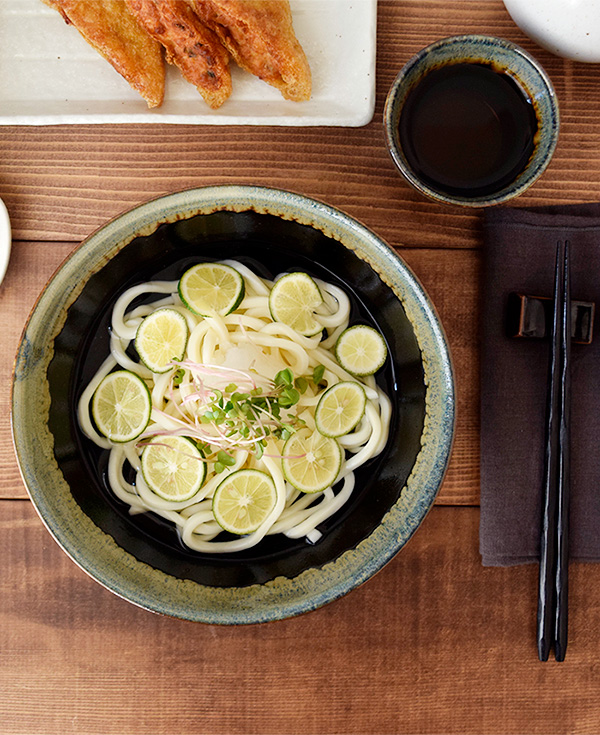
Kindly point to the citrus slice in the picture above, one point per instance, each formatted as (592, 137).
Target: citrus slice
(311, 462)
(243, 501)
(340, 408)
(161, 337)
(211, 288)
(361, 350)
(121, 406)
(293, 300)
(173, 467)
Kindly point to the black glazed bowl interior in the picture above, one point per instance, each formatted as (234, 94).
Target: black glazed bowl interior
(141, 557)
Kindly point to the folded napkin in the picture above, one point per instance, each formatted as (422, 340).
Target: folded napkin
(519, 255)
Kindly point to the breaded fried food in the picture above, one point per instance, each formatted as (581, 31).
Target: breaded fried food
(260, 37)
(111, 29)
(189, 45)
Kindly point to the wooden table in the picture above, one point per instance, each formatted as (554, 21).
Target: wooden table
(435, 643)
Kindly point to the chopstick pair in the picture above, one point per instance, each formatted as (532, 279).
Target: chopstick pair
(554, 550)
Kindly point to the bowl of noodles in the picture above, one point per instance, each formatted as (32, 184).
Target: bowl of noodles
(233, 405)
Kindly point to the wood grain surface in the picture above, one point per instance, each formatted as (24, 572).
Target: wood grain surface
(435, 643)
(431, 644)
(60, 183)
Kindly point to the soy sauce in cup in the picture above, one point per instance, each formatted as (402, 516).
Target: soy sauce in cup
(468, 129)
(471, 120)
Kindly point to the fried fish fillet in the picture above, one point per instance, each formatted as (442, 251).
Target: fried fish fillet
(260, 37)
(111, 29)
(189, 44)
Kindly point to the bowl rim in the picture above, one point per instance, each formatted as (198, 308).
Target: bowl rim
(539, 161)
(137, 581)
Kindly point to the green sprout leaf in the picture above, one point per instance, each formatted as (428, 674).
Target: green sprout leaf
(289, 397)
(301, 384)
(318, 373)
(178, 376)
(225, 459)
(284, 377)
(203, 447)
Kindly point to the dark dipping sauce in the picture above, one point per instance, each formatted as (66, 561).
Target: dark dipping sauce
(467, 129)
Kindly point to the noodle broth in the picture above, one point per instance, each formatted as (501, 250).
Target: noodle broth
(268, 245)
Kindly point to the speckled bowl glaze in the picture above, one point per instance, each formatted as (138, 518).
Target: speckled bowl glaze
(570, 29)
(503, 56)
(140, 557)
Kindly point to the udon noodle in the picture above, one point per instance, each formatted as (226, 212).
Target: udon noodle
(249, 348)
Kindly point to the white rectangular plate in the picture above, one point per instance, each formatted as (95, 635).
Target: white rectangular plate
(49, 75)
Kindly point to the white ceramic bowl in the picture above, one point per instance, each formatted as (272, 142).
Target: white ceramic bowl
(5, 240)
(568, 28)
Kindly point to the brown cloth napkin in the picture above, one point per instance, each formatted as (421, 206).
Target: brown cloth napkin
(519, 255)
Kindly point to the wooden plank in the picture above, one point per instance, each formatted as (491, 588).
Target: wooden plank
(31, 265)
(434, 643)
(62, 182)
(451, 278)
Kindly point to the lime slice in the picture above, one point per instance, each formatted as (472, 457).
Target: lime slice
(311, 462)
(244, 500)
(340, 408)
(173, 467)
(361, 350)
(161, 337)
(293, 301)
(211, 288)
(121, 406)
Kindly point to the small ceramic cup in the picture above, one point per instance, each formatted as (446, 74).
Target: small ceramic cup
(503, 57)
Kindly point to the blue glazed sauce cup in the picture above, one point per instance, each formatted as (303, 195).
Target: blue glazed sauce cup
(472, 121)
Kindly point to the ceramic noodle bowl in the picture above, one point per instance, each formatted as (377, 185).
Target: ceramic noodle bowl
(141, 557)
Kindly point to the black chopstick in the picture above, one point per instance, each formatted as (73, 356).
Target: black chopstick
(554, 547)
(563, 491)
